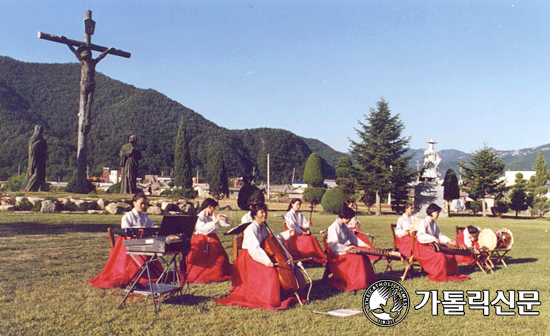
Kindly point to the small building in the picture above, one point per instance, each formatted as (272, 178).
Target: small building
(110, 176)
(510, 176)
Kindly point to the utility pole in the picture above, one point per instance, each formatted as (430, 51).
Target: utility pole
(267, 176)
(87, 87)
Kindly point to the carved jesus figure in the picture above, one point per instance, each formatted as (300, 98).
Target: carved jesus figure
(87, 80)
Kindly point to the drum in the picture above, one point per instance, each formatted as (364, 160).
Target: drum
(501, 239)
(487, 238)
(505, 238)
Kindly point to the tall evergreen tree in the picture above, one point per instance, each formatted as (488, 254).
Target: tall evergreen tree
(382, 165)
(540, 201)
(481, 173)
(451, 190)
(219, 186)
(183, 175)
(344, 177)
(313, 174)
(518, 199)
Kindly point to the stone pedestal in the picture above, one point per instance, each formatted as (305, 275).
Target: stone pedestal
(426, 193)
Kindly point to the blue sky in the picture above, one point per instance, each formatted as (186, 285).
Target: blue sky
(462, 72)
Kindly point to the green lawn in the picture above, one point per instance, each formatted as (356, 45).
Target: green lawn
(47, 260)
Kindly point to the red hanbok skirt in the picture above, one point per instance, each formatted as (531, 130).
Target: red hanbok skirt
(404, 245)
(460, 259)
(350, 271)
(120, 268)
(306, 246)
(439, 266)
(207, 260)
(254, 285)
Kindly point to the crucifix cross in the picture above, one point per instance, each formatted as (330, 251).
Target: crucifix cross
(87, 87)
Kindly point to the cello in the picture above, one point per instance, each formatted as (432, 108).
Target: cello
(290, 272)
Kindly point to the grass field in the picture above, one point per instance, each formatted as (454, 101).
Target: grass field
(46, 261)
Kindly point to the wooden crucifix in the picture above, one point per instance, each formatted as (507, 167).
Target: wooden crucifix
(87, 87)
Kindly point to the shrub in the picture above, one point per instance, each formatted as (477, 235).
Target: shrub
(475, 206)
(92, 196)
(183, 193)
(71, 185)
(14, 183)
(24, 205)
(333, 200)
(70, 206)
(501, 207)
(313, 196)
(114, 189)
(37, 206)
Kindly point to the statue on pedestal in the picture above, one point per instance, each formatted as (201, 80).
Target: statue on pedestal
(431, 162)
(129, 163)
(35, 179)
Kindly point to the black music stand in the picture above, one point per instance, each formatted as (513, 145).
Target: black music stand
(180, 225)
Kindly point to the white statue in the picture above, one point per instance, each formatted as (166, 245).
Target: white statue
(431, 161)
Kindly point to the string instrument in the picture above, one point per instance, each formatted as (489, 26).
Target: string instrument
(386, 253)
(451, 249)
(290, 275)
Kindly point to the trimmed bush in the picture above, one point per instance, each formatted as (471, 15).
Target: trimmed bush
(333, 200)
(14, 183)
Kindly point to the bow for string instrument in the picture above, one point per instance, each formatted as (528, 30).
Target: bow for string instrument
(290, 272)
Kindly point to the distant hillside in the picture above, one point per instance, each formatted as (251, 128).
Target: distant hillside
(521, 159)
(47, 94)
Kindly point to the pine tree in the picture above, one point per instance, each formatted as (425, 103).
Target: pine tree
(540, 202)
(451, 189)
(382, 165)
(344, 177)
(183, 176)
(518, 199)
(313, 174)
(219, 187)
(481, 173)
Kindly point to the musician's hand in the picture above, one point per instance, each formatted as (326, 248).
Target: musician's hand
(270, 265)
(292, 232)
(436, 241)
(349, 247)
(305, 233)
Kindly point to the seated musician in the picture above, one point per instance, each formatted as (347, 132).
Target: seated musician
(120, 267)
(302, 244)
(467, 237)
(207, 260)
(349, 271)
(403, 229)
(355, 226)
(438, 265)
(254, 279)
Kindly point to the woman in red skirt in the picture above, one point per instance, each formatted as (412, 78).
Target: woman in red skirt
(207, 260)
(438, 265)
(302, 244)
(254, 280)
(347, 272)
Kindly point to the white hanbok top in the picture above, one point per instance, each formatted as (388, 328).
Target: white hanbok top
(428, 232)
(133, 219)
(404, 224)
(339, 236)
(206, 224)
(247, 218)
(253, 237)
(468, 238)
(296, 221)
(354, 223)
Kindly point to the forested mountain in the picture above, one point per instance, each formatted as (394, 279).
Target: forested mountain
(47, 94)
(521, 159)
